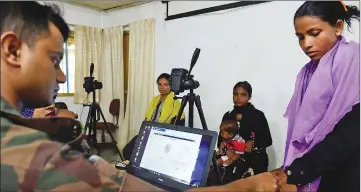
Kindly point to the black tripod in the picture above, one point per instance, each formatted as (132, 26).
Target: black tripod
(93, 117)
(192, 98)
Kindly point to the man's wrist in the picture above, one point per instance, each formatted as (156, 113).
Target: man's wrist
(245, 184)
(220, 188)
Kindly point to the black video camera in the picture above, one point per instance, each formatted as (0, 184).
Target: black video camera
(181, 79)
(90, 84)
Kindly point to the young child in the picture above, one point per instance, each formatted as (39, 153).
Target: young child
(229, 156)
(232, 146)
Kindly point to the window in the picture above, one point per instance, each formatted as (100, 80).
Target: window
(67, 65)
(126, 65)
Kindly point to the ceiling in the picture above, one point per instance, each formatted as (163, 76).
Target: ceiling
(107, 5)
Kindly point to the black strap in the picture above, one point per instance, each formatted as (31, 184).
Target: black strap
(59, 129)
(155, 113)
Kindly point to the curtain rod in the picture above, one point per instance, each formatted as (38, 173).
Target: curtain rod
(125, 27)
(213, 9)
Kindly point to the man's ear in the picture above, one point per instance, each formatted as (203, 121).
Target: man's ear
(11, 48)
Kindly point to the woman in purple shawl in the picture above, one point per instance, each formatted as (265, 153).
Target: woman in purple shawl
(323, 139)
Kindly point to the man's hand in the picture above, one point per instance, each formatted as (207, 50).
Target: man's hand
(66, 113)
(288, 188)
(280, 175)
(260, 182)
(276, 171)
(249, 146)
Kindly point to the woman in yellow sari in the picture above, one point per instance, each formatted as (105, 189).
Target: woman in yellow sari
(162, 109)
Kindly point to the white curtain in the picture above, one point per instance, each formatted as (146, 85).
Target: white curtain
(141, 77)
(112, 72)
(88, 49)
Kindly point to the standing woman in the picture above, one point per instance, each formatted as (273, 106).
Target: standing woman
(323, 140)
(253, 127)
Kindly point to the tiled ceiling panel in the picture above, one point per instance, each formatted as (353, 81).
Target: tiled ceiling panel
(106, 5)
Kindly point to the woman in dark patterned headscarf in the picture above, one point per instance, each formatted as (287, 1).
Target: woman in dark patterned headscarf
(49, 111)
(28, 112)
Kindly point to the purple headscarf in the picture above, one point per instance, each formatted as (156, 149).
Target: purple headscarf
(324, 93)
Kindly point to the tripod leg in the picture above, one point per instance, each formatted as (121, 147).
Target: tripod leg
(93, 127)
(87, 122)
(204, 125)
(200, 112)
(191, 112)
(111, 135)
(181, 109)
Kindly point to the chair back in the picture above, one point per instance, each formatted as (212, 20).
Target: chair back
(114, 108)
(61, 105)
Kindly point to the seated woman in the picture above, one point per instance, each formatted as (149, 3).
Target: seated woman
(253, 127)
(162, 109)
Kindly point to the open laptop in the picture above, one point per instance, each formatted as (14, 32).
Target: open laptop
(173, 158)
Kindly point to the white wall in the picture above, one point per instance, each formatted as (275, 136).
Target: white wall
(82, 16)
(256, 44)
(177, 7)
(74, 14)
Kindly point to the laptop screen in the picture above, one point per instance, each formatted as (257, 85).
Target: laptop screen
(172, 154)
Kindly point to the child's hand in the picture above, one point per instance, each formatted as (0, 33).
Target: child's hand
(219, 162)
(227, 162)
(229, 154)
(221, 146)
(219, 152)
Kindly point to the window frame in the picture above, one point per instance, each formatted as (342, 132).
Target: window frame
(66, 59)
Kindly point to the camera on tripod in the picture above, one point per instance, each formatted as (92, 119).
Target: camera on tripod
(90, 84)
(181, 79)
(94, 114)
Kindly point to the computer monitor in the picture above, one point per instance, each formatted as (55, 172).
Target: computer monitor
(173, 156)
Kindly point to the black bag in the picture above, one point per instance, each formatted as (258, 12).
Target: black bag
(128, 149)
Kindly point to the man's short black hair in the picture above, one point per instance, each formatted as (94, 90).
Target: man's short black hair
(163, 75)
(29, 19)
